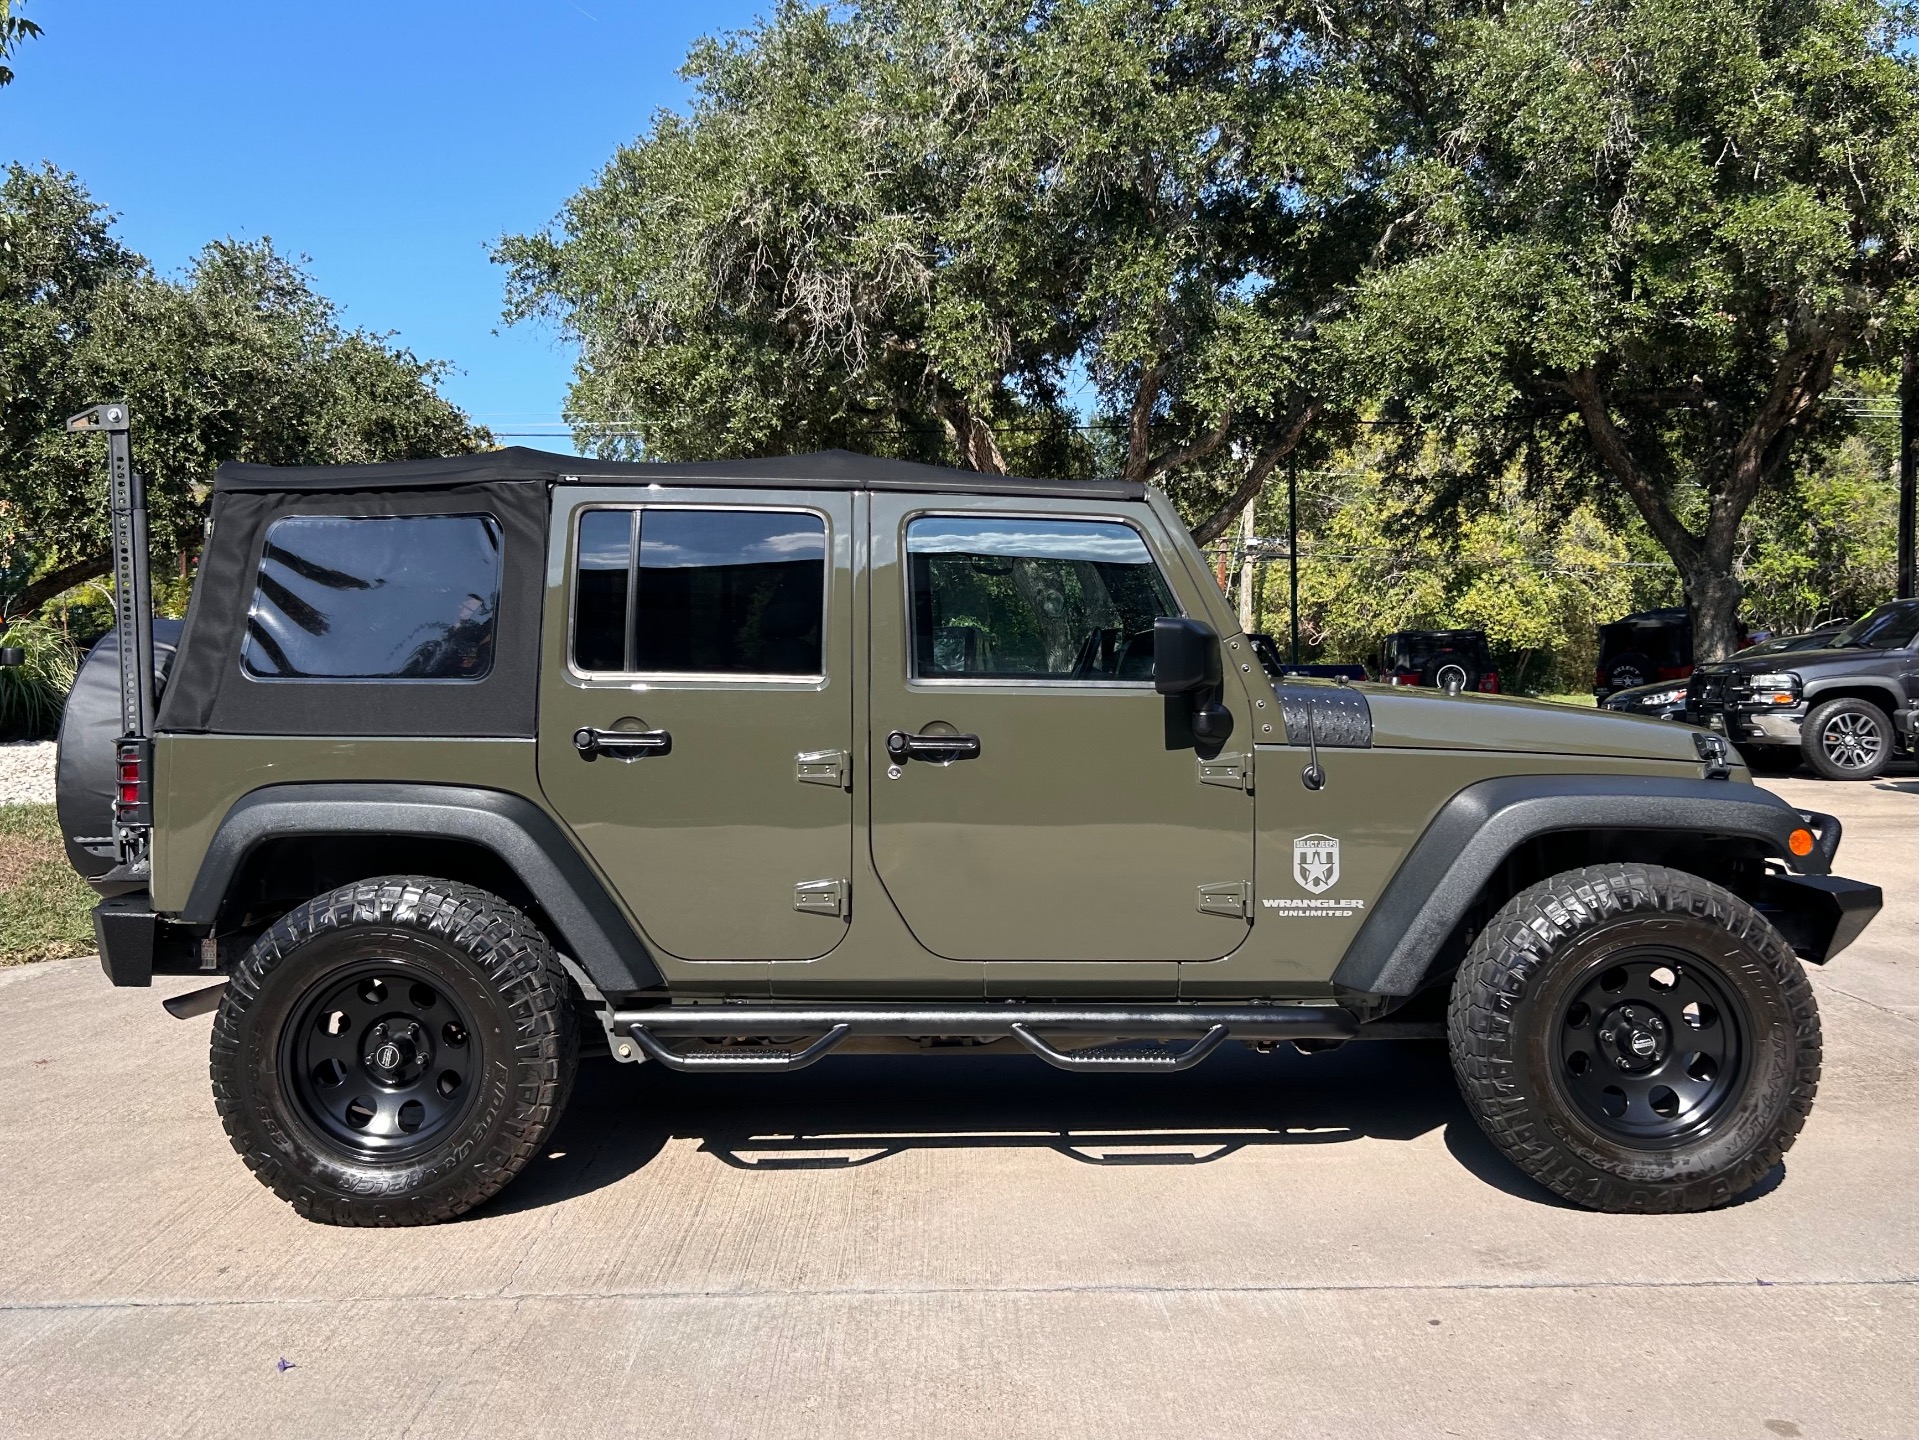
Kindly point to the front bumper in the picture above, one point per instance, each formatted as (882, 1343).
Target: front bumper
(1753, 727)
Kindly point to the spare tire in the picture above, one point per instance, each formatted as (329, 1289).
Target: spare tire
(1624, 672)
(83, 775)
(1445, 665)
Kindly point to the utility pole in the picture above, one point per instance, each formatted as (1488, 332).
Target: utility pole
(1908, 465)
(1248, 569)
(1292, 548)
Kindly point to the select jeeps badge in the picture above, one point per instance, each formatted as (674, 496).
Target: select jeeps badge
(1315, 870)
(1316, 863)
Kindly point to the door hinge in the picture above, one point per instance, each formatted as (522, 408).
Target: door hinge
(823, 897)
(1235, 772)
(823, 767)
(1233, 899)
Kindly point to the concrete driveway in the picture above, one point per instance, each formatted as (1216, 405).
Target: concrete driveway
(1264, 1246)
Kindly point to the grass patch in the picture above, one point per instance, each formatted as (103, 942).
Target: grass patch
(1583, 699)
(46, 911)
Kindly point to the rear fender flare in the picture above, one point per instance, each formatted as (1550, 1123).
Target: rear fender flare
(592, 928)
(1475, 831)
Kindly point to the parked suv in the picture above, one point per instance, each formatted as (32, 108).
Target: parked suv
(1444, 659)
(1846, 707)
(461, 765)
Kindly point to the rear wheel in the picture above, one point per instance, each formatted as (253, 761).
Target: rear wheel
(1847, 739)
(1635, 1038)
(394, 1052)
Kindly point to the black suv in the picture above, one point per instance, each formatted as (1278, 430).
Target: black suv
(1445, 659)
(1846, 707)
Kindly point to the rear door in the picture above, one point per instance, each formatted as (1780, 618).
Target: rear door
(1082, 827)
(715, 629)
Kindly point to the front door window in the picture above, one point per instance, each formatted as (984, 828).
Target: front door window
(1046, 600)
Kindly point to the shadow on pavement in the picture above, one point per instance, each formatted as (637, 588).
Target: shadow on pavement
(854, 1111)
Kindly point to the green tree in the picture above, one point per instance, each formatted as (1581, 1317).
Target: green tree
(13, 29)
(1636, 240)
(933, 230)
(1537, 579)
(237, 359)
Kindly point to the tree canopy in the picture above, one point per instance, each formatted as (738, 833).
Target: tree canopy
(1621, 247)
(1641, 240)
(949, 231)
(13, 29)
(237, 359)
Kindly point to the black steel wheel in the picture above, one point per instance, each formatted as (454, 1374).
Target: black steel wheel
(382, 1060)
(1847, 739)
(393, 1053)
(1650, 1045)
(1635, 1038)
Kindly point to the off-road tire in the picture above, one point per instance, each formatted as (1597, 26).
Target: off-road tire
(1863, 717)
(483, 954)
(1547, 941)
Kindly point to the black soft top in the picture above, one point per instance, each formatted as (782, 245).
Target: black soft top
(826, 469)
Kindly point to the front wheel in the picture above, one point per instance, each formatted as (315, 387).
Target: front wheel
(1635, 1038)
(393, 1053)
(1847, 739)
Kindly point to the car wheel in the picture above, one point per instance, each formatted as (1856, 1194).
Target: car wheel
(393, 1053)
(1847, 739)
(1635, 1038)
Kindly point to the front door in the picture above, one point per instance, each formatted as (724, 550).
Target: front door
(1039, 801)
(698, 736)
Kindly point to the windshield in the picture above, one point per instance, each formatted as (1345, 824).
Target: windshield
(1890, 627)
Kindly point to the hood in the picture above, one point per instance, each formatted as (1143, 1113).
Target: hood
(1798, 660)
(1431, 719)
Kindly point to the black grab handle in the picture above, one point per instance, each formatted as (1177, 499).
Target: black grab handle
(620, 744)
(902, 747)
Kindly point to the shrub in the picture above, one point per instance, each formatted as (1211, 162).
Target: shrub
(32, 695)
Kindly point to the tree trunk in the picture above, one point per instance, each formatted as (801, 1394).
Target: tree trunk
(26, 604)
(1713, 598)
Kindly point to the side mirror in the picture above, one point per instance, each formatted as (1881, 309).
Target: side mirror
(1185, 655)
(12, 655)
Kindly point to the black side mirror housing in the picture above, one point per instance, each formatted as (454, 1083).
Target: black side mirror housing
(1185, 655)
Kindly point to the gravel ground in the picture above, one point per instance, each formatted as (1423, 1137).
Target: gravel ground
(26, 773)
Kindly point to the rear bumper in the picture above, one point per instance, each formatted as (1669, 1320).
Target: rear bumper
(136, 943)
(124, 927)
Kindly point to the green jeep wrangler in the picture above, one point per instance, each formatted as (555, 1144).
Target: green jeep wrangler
(461, 767)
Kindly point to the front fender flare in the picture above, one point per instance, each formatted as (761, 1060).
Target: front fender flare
(593, 930)
(1480, 826)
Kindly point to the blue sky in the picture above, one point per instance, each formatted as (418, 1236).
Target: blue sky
(388, 142)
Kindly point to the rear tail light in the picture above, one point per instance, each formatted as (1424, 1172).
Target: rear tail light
(133, 776)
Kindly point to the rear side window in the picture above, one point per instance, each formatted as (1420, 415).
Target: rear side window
(700, 592)
(1030, 599)
(408, 597)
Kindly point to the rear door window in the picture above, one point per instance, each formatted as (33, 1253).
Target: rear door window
(398, 598)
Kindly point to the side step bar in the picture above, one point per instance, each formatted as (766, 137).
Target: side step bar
(1208, 1026)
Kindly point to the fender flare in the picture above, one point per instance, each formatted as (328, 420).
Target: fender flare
(1817, 690)
(592, 928)
(1474, 832)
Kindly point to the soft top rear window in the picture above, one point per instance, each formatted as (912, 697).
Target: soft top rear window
(397, 598)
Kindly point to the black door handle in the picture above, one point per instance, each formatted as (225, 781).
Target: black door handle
(902, 747)
(620, 744)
